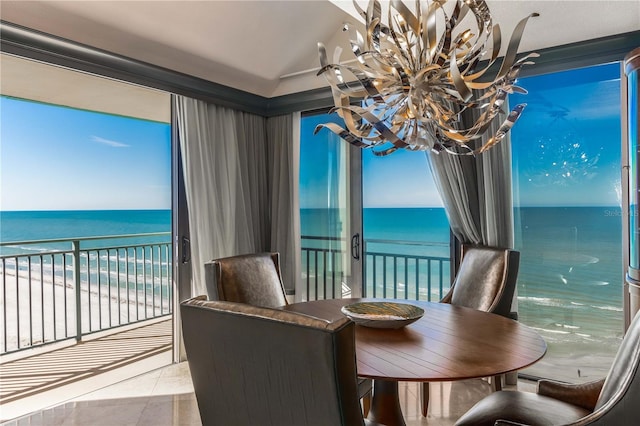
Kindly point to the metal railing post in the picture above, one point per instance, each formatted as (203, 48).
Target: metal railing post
(76, 284)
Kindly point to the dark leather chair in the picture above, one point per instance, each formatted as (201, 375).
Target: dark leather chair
(612, 401)
(256, 279)
(486, 281)
(290, 368)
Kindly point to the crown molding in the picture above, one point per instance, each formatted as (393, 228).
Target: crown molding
(35, 45)
(44, 47)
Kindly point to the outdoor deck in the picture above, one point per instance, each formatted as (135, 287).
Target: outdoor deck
(31, 382)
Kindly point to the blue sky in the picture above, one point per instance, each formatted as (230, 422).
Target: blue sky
(58, 158)
(567, 144)
(566, 152)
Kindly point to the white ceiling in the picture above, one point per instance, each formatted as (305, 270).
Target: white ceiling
(256, 46)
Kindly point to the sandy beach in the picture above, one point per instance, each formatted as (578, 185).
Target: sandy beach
(33, 313)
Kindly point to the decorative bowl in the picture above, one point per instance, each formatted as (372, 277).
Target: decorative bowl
(382, 314)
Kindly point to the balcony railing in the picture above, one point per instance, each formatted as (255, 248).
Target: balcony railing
(54, 290)
(393, 269)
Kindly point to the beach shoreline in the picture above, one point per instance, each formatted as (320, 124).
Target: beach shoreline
(32, 313)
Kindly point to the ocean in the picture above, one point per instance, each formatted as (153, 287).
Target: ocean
(23, 226)
(569, 284)
(45, 225)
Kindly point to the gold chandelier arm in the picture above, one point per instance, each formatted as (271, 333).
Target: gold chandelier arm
(358, 9)
(344, 134)
(428, 29)
(406, 15)
(514, 43)
(504, 128)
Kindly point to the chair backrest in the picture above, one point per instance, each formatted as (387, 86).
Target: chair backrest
(262, 366)
(486, 279)
(619, 400)
(254, 279)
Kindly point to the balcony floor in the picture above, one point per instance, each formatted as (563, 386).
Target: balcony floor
(30, 381)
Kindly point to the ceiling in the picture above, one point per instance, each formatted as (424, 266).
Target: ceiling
(269, 47)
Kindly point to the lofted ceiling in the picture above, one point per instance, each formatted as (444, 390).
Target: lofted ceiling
(269, 47)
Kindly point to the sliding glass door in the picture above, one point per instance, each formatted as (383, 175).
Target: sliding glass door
(330, 213)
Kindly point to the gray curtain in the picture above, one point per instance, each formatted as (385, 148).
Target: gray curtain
(283, 137)
(476, 192)
(230, 159)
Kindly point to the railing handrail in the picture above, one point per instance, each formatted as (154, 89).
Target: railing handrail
(408, 256)
(406, 242)
(379, 241)
(70, 240)
(319, 237)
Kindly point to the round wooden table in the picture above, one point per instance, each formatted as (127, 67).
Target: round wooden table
(448, 343)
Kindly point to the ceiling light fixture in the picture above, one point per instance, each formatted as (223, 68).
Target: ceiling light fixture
(416, 76)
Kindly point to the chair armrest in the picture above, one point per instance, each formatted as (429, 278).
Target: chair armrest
(583, 395)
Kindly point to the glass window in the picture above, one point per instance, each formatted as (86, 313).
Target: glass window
(566, 171)
(324, 210)
(406, 231)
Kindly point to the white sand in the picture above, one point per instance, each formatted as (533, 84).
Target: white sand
(24, 316)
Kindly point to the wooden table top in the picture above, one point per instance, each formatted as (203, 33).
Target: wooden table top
(447, 343)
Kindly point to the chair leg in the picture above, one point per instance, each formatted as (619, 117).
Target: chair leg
(424, 397)
(496, 383)
(366, 404)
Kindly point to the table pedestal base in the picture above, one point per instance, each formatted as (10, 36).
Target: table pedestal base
(385, 405)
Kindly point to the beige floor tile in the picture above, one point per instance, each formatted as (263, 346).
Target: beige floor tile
(165, 397)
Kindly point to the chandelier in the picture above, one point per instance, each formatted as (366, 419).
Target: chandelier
(417, 76)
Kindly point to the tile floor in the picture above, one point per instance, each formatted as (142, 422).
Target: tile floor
(165, 397)
(47, 377)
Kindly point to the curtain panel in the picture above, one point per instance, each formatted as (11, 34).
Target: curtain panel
(283, 170)
(234, 166)
(476, 192)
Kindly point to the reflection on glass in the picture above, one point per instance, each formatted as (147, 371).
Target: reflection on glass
(566, 169)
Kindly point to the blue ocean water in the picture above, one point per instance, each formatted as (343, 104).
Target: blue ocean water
(570, 278)
(42, 225)
(16, 226)
(569, 283)
(25, 233)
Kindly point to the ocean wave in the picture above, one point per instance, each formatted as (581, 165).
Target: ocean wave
(546, 330)
(544, 301)
(551, 302)
(29, 249)
(608, 308)
(567, 326)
